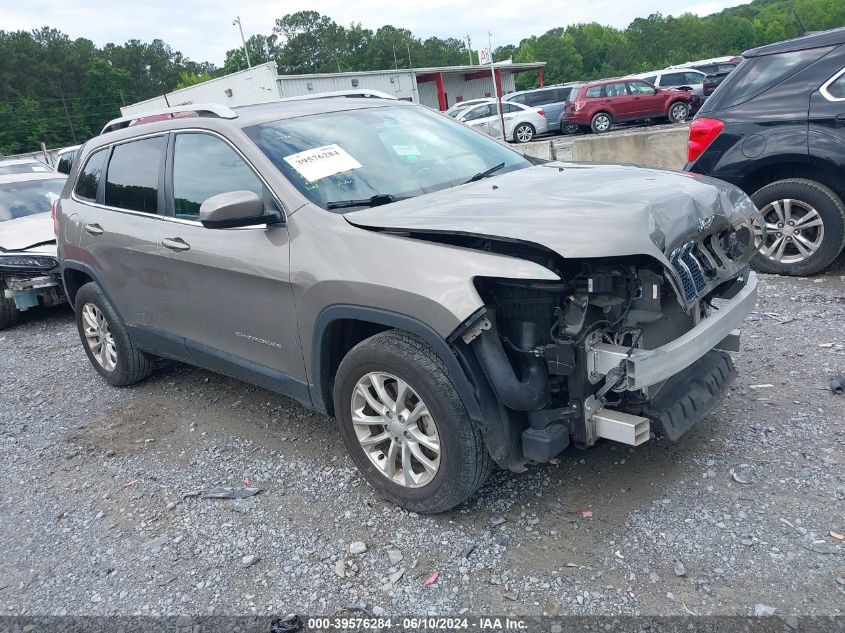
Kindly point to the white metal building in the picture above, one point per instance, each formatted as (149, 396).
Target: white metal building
(437, 88)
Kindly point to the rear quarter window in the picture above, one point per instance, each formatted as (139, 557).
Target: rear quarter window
(89, 178)
(593, 92)
(756, 75)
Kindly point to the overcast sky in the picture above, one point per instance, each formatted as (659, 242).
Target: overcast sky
(203, 30)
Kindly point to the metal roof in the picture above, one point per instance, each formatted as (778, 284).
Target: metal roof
(520, 67)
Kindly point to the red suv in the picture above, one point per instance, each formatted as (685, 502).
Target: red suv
(599, 104)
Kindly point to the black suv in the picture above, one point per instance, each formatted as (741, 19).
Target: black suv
(776, 128)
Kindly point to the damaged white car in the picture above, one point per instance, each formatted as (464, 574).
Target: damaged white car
(29, 274)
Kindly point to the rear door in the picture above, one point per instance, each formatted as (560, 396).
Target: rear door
(617, 98)
(232, 298)
(479, 118)
(549, 99)
(120, 225)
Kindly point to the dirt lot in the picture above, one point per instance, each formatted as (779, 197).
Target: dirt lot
(94, 517)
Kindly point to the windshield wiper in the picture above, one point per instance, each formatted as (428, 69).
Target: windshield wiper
(485, 173)
(377, 200)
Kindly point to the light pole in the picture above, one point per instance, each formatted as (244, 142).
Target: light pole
(237, 21)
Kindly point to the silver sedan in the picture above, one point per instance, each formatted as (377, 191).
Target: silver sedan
(522, 123)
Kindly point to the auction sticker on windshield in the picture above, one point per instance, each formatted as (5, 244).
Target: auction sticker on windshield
(321, 162)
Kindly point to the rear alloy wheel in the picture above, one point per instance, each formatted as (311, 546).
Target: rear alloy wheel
(523, 133)
(405, 426)
(678, 111)
(106, 341)
(601, 123)
(804, 227)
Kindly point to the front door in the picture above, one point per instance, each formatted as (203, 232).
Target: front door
(645, 101)
(232, 298)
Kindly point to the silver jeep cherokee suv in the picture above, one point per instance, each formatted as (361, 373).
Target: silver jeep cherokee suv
(451, 302)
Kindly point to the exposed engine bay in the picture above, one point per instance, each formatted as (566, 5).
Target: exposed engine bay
(565, 354)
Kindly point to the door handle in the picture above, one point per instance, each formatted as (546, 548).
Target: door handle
(175, 244)
(840, 117)
(94, 229)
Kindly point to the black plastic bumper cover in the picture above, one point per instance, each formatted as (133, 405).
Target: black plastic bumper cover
(689, 396)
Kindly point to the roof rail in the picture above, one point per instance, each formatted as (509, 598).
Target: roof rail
(200, 109)
(362, 93)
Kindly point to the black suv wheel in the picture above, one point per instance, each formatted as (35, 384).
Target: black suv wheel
(805, 227)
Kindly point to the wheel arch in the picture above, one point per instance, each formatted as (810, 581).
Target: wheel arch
(74, 276)
(770, 172)
(339, 328)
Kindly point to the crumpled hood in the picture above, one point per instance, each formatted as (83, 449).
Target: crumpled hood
(23, 233)
(576, 210)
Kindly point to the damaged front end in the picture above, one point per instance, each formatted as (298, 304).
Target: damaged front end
(30, 278)
(618, 348)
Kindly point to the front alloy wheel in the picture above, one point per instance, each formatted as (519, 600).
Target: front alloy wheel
(98, 337)
(395, 429)
(405, 426)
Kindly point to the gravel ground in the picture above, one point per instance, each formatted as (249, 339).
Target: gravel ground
(97, 515)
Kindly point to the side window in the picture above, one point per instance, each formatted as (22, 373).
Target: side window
(694, 78)
(509, 107)
(651, 79)
(545, 97)
(640, 87)
(477, 113)
(673, 79)
(616, 90)
(132, 180)
(837, 89)
(594, 91)
(724, 68)
(66, 162)
(89, 178)
(205, 166)
(518, 99)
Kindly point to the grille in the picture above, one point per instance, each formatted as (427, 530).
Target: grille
(691, 269)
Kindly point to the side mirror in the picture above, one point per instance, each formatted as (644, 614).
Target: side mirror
(234, 209)
(656, 90)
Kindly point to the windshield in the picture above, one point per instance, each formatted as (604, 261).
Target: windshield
(382, 153)
(18, 199)
(23, 168)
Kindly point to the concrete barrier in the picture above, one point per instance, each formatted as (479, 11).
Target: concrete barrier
(654, 147)
(537, 149)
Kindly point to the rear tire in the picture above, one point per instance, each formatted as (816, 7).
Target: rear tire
(461, 462)
(816, 235)
(601, 122)
(106, 340)
(523, 133)
(8, 311)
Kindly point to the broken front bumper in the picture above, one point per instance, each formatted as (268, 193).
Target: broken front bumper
(644, 368)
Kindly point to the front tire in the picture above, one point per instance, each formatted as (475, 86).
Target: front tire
(805, 227)
(8, 311)
(405, 426)
(106, 341)
(601, 123)
(523, 133)
(568, 128)
(678, 112)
